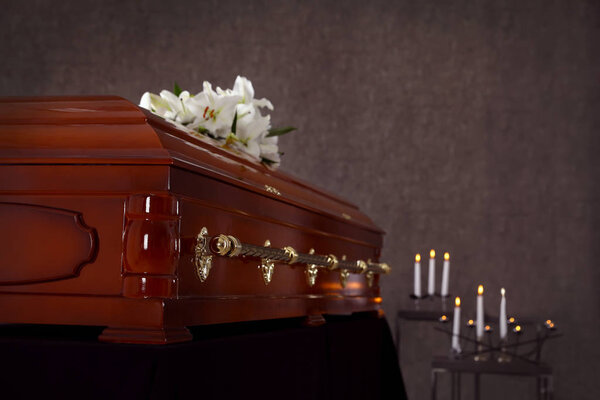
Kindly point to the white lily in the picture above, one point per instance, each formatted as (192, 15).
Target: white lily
(269, 149)
(169, 106)
(252, 126)
(243, 87)
(251, 123)
(214, 111)
(249, 133)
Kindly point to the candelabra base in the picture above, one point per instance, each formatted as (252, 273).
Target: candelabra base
(503, 357)
(481, 355)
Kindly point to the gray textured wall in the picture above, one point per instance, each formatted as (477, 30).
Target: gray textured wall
(463, 126)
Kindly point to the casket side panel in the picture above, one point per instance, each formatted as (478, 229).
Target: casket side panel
(98, 196)
(235, 289)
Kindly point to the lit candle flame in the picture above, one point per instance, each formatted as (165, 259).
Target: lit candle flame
(548, 322)
(457, 301)
(446, 256)
(480, 290)
(470, 322)
(518, 328)
(432, 253)
(511, 320)
(443, 318)
(487, 327)
(418, 258)
(502, 292)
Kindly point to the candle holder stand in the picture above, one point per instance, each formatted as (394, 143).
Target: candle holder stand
(528, 349)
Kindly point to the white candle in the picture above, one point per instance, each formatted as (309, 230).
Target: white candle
(431, 282)
(502, 314)
(456, 326)
(417, 286)
(480, 322)
(446, 274)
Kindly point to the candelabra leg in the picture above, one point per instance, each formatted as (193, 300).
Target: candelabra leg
(433, 384)
(455, 393)
(543, 387)
(549, 387)
(452, 385)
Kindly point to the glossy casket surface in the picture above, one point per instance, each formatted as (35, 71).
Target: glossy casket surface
(102, 202)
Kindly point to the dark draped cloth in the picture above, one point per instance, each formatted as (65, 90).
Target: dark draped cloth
(345, 358)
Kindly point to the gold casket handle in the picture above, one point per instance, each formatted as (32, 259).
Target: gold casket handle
(230, 246)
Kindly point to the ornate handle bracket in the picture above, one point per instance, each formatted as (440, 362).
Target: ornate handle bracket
(311, 271)
(202, 256)
(267, 266)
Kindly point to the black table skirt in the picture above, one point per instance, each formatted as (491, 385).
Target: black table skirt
(346, 358)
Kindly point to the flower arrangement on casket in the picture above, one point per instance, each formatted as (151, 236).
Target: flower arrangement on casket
(232, 117)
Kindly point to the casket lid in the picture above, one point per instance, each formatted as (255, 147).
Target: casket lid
(111, 130)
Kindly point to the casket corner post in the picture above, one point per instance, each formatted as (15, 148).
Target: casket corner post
(151, 252)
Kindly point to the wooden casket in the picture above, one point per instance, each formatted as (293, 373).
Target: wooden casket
(111, 216)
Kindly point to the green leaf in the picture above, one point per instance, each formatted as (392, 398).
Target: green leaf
(267, 161)
(176, 89)
(234, 125)
(280, 131)
(203, 130)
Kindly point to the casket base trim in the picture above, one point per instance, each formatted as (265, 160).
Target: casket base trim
(164, 321)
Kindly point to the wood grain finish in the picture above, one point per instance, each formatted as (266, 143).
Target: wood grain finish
(145, 189)
(42, 244)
